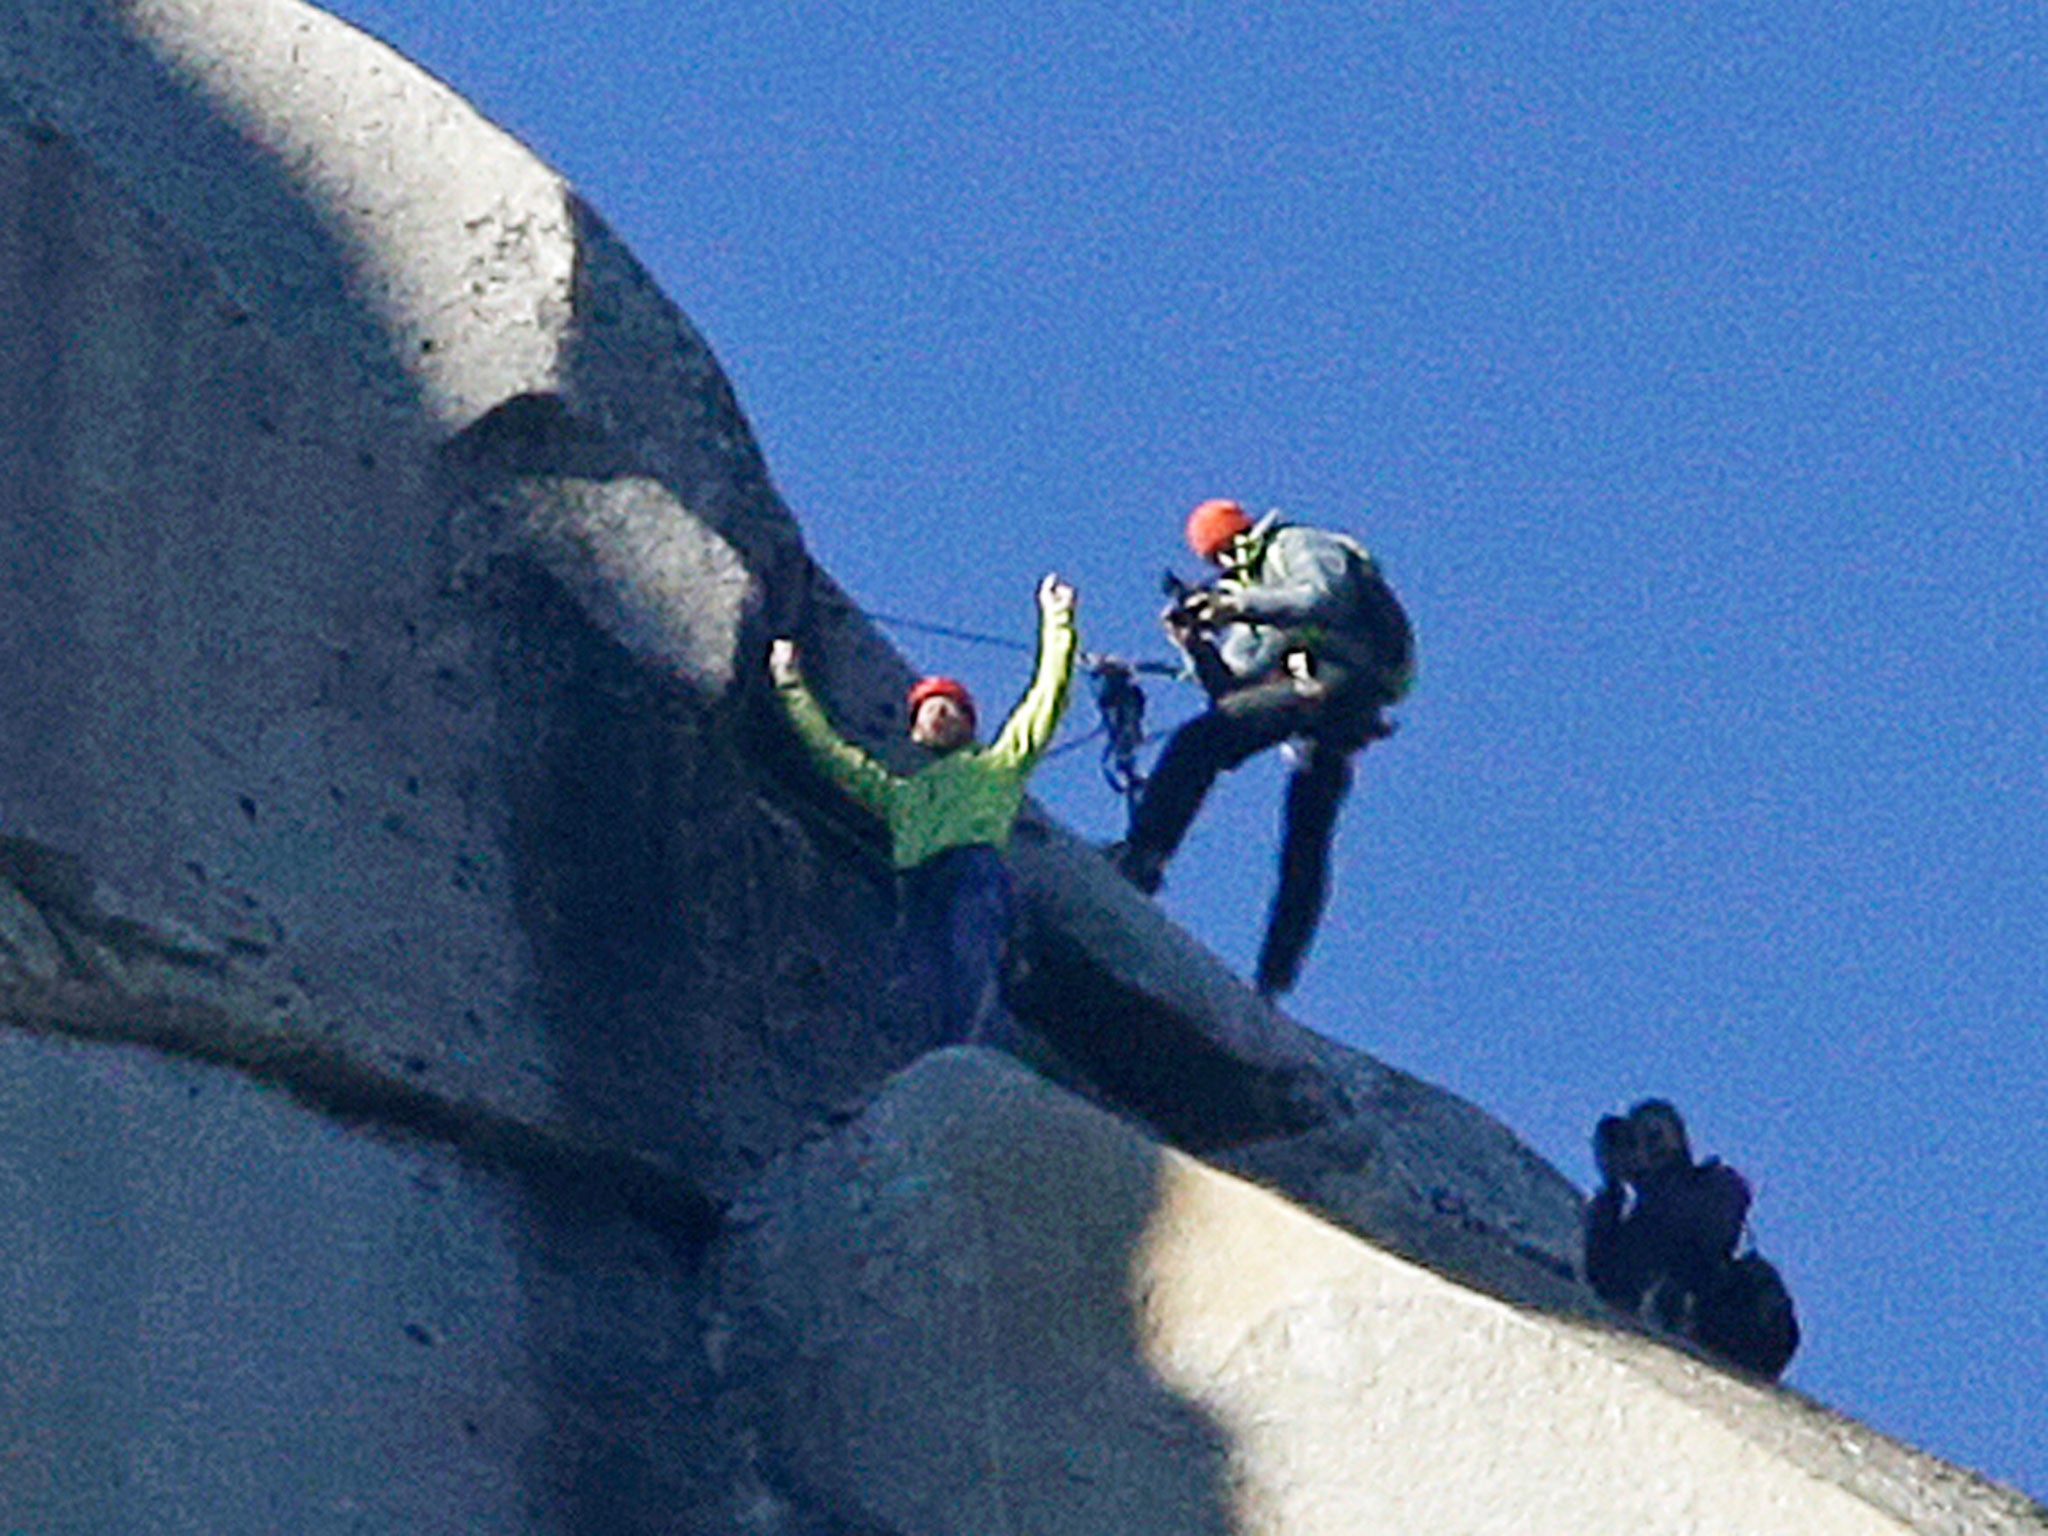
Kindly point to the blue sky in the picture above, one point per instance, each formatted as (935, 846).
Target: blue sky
(1684, 366)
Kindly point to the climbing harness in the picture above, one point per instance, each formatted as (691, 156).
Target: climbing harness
(1120, 701)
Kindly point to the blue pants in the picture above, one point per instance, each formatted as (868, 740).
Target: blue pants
(957, 912)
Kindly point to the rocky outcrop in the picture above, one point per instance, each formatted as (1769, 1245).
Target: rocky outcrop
(401, 569)
(988, 1306)
(441, 1003)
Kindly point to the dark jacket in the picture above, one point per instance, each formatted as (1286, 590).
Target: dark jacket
(1672, 1241)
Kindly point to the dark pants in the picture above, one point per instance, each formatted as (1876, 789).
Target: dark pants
(957, 912)
(1331, 724)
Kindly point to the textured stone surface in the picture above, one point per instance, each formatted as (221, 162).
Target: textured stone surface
(390, 544)
(988, 1307)
(393, 822)
(397, 565)
(203, 1285)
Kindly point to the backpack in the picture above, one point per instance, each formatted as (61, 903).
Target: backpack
(1382, 621)
(1747, 1318)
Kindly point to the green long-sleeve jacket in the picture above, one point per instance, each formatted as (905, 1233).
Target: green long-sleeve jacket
(965, 797)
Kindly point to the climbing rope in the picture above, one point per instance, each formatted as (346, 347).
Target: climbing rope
(896, 621)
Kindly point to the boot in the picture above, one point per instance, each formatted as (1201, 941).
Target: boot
(1143, 867)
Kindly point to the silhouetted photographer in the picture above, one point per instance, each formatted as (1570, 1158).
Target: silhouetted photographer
(1661, 1234)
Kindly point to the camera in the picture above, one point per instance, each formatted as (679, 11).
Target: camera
(1186, 601)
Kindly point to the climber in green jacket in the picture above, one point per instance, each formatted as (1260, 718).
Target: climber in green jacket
(950, 821)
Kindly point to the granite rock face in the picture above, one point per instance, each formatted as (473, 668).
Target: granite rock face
(396, 567)
(988, 1306)
(439, 1000)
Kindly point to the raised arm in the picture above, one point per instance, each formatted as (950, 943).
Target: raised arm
(1029, 730)
(853, 770)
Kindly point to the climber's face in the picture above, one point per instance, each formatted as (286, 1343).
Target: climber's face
(942, 725)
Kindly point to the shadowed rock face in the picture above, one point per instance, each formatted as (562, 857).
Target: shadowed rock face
(381, 723)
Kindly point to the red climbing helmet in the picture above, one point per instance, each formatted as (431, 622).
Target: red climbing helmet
(1213, 524)
(940, 688)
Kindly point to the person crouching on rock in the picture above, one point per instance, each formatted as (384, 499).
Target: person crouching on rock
(1660, 1242)
(950, 821)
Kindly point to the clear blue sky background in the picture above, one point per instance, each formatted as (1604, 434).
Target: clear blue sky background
(1685, 366)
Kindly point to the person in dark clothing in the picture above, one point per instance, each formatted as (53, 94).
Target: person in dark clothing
(1660, 1239)
(1299, 639)
(1660, 1225)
